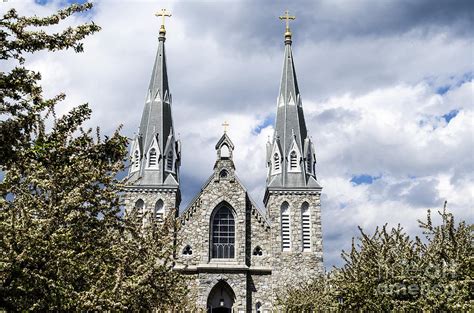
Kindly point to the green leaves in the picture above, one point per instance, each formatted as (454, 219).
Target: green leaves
(65, 244)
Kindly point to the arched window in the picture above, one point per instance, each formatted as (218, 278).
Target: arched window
(223, 234)
(169, 161)
(225, 151)
(223, 173)
(258, 307)
(293, 160)
(152, 158)
(139, 206)
(276, 162)
(159, 209)
(285, 227)
(306, 227)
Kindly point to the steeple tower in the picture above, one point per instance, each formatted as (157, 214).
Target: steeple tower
(290, 155)
(292, 196)
(156, 146)
(156, 152)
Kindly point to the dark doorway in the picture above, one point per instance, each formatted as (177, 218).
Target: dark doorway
(221, 298)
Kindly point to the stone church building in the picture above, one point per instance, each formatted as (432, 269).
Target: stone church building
(239, 256)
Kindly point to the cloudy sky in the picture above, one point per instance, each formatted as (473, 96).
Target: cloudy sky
(387, 89)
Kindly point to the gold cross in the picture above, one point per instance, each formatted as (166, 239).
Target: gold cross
(225, 124)
(163, 13)
(287, 17)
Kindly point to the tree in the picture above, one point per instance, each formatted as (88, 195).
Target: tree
(390, 271)
(65, 244)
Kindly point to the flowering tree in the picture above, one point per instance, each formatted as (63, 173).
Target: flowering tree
(64, 243)
(390, 271)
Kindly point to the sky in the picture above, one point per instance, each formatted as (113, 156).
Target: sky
(387, 90)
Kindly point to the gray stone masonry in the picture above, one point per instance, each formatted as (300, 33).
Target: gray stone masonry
(291, 268)
(169, 196)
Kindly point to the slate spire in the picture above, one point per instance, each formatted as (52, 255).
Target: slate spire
(290, 155)
(156, 152)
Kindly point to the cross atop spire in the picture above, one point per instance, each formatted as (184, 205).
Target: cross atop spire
(163, 13)
(287, 17)
(225, 124)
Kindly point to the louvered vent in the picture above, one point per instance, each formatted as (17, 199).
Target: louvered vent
(306, 227)
(285, 227)
(152, 160)
(293, 160)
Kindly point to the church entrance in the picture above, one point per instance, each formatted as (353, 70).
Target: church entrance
(221, 298)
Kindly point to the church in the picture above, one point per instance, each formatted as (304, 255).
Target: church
(239, 257)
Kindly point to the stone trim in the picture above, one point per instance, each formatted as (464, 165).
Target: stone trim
(222, 268)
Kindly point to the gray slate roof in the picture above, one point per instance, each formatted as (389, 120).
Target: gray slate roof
(290, 127)
(157, 123)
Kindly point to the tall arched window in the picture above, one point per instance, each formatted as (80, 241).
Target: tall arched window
(152, 158)
(276, 162)
(285, 227)
(169, 161)
(293, 160)
(159, 209)
(223, 234)
(139, 206)
(306, 227)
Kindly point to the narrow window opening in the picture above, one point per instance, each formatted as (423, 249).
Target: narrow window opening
(225, 151)
(169, 161)
(276, 162)
(285, 227)
(136, 160)
(159, 210)
(309, 163)
(139, 207)
(293, 160)
(306, 226)
(152, 160)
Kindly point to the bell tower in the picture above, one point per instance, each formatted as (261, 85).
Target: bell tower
(292, 196)
(152, 184)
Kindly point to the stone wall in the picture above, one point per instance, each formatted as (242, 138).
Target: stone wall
(150, 196)
(291, 268)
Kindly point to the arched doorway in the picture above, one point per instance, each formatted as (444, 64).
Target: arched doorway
(221, 298)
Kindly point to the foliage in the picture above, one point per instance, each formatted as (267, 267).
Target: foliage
(390, 271)
(65, 244)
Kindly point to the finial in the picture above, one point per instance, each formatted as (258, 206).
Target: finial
(225, 124)
(163, 13)
(287, 17)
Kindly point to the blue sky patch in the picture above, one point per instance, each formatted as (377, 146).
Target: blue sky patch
(363, 179)
(269, 120)
(63, 3)
(442, 89)
(449, 116)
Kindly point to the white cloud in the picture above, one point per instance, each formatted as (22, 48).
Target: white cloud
(369, 97)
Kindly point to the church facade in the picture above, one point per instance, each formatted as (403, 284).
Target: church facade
(238, 257)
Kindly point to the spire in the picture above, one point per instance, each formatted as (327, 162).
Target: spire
(290, 155)
(155, 151)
